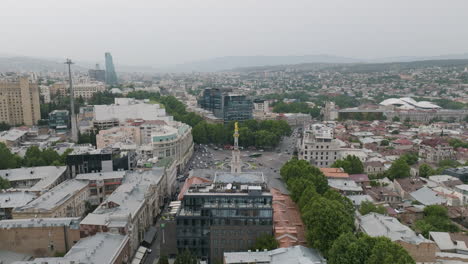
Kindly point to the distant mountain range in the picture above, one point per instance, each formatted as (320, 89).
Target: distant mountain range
(27, 64)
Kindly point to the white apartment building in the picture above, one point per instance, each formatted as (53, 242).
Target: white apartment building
(318, 146)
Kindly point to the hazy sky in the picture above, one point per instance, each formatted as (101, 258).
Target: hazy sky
(161, 32)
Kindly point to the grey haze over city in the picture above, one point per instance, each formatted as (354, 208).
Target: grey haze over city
(171, 34)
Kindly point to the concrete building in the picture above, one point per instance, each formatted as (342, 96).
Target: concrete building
(59, 120)
(102, 248)
(44, 91)
(35, 179)
(226, 105)
(154, 140)
(225, 215)
(39, 237)
(86, 159)
(85, 90)
(13, 137)
(131, 209)
(330, 111)
(289, 255)
(422, 250)
(101, 184)
(435, 150)
(10, 200)
(318, 146)
(97, 74)
(123, 109)
(64, 200)
(19, 102)
(460, 172)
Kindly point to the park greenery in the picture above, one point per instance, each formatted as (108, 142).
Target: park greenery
(398, 169)
(425, 170)
(329, 220)
(34, 157)
(296, 107)
(4, 126)
(163, 260)
(265, 241)
(435, 219)
(350, 164)
(457, 143)
(263, 134)
(4, 184)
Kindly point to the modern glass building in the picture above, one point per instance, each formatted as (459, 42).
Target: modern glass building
(224, 216)
(111, 76)
(226, 105)
(59, 120)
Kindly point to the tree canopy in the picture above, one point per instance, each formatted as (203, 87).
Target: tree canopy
(369, 207)
(265, 241)
(425, 170)
(435, 219)
(349, 249)
(351, 164)
(399, 169)
(33, 157)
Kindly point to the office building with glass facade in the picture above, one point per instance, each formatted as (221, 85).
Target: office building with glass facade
(226, 215)
(226, 105)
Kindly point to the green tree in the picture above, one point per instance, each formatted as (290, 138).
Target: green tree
(349, 249)
(410, 158)
(399, 169)
(396, 119)
(384, 142)
(449, 163)
(425, 170)
(8, 160)
(186, 257)
(4, 126)
(199, 133)
(325, 220)
(435, 219)
(385, 251)
(163, 260)
(265, 241)
(368, 207)
(4, 184)
(33, 157)
(351, 164)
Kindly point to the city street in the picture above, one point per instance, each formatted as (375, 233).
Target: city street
(207, 157)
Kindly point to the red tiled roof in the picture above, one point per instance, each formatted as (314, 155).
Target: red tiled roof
(359, 177)
(288, 227)
(334, 173)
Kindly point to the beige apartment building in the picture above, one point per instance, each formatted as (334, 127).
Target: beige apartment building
(19, 102)
(39, 237)
(84, 90)
(64, 200)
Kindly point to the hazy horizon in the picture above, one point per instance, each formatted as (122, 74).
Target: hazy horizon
(167, 33)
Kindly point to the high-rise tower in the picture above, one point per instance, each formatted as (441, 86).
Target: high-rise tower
(111, 76)
(236, 161)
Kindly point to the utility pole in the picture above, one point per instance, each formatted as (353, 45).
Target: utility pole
(74, 131)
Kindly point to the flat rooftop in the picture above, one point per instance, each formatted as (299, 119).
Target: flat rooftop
(101, 248)
(54, 197)
(101, 175)
(15, 198)
(126, 200)
(72, 222)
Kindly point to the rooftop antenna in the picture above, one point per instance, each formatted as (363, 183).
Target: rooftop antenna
(74, 132)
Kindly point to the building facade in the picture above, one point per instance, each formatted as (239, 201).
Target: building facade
(39, 237)
(111, 76)
(19, 102)
(435, 150)
(131, 209)
(227, 215)
(59, 120)
(318, 146)
(227, 105)
(64, 200)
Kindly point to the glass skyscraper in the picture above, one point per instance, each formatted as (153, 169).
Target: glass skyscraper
(111, 76)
